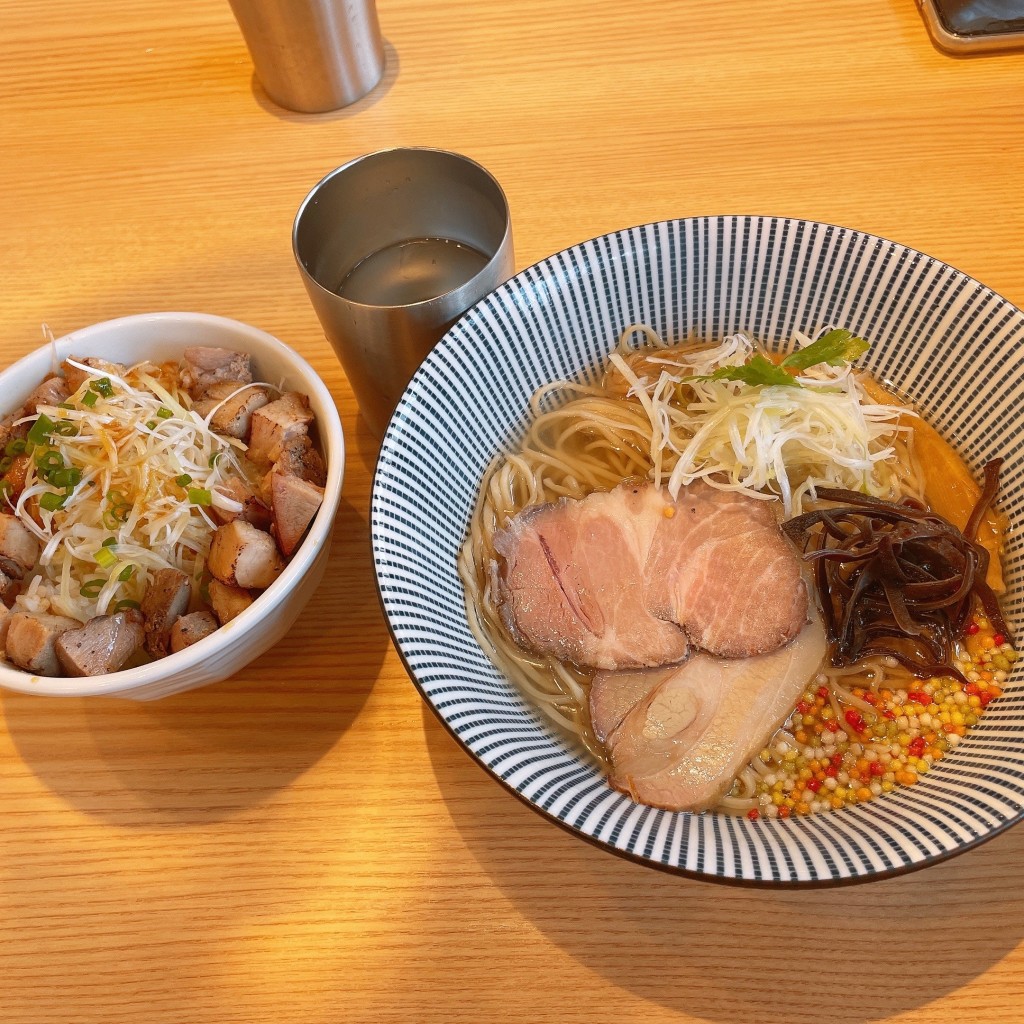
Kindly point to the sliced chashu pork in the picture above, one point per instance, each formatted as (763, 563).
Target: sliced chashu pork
(630, 578)
(677, 737)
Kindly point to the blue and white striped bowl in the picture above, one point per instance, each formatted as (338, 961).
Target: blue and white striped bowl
(948, 342)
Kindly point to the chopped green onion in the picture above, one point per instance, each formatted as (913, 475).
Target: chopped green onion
(64, 405)
(164, 414)
(122, 606)
(126, 574)
(5, 489)
(184, 480)
(118, 510)
(151, 425)
(110, 542)
(52, 502)
(91, 588)
(69, 477)
(200, 496)
(103, 387)
(49, 461)
(5, 463)
(16, 447)
(65, 428)
(89, 399)
(41, 429)
(215, 458)
(105, 558)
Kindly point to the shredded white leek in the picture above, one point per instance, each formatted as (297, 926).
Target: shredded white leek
(764, 441)
(147, 464)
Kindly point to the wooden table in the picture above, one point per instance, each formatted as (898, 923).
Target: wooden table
(304, 843)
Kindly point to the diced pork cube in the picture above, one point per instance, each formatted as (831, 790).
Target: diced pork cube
(98, 368)
(253, 509)
(16, 476)
(19, 548)
(102, 645)
(227, 602)
(295, 503)
(5, 624)
(9, 589)
(276, 424)
(51, 391)
(298, 458)
(242, 556)
(10, 429)
(32, 641)
(232, 413)
(190, 629)
(166, 599)
(205, 367)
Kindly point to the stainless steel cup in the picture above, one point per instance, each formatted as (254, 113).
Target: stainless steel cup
(313, 55)
(393, 248)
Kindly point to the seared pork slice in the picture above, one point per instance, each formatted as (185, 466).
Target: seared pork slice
(572, 583)
(276, 424)
(5, 624)
(205, 367)
(691, 729)
(254, 510)
(628, 578)
(614, 694)
(722, 568)
(227, 602)
(32, 641)
(232, 409)
(19, 548)
(190, 629)
(295, 503)
(166, 599)
(242, 556)
(51, 391)
(102, 645)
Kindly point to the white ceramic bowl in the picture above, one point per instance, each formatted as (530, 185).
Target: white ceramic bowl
(162, 336)
(947, 341)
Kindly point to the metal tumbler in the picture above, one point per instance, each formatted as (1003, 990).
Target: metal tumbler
(393, 248)
(313, 55)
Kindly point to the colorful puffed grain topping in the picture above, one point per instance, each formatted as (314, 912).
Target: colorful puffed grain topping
(885, 739)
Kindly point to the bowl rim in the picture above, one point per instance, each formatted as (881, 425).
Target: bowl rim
(521, 281)
(127, 680)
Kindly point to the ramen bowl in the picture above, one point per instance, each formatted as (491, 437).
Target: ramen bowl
(164, 336)
(947, 342)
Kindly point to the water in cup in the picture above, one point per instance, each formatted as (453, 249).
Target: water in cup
(415, 270)
(393, 248)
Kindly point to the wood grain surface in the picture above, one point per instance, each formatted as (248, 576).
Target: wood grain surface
(304, 843)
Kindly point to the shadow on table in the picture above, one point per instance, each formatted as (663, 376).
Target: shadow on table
(739, 955)
(392, 66)
(211, 753)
